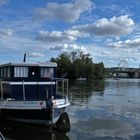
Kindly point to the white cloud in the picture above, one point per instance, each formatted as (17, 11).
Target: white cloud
(68, 12)
(58, 36)
(106, 52)
(130, 59)
(113, 27)
(69, 47)
(75, 33)
(116, 26)
(3, 2)
(126, 43)
(115, 44)
(35, 55)
(6, 32)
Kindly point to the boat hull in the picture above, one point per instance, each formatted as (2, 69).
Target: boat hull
(30, 116)
(36, 112)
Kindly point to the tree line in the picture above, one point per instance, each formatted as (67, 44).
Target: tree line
(78, 65)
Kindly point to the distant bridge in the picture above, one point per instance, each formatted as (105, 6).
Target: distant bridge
(127, 72)
(122, 70)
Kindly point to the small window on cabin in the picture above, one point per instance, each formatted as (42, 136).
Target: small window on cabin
(47, 72)
(33, 71)
(8, 72)
(1, 72)
(21, 72)
(5, 71)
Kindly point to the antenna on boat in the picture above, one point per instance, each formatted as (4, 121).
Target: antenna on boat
(24, 59)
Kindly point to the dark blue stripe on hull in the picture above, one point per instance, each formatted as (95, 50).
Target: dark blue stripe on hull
(27, 115)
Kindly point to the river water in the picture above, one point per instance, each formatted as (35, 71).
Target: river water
(99, 110)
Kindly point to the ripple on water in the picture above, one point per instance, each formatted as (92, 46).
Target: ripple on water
(106, 128)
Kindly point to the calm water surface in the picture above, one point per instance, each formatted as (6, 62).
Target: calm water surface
(100, 110)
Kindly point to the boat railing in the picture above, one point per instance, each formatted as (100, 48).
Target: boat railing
(62, 86)
(1, 136)
(23, 88)
(1, 89)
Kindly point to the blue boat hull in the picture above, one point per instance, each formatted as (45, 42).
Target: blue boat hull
(38, 116)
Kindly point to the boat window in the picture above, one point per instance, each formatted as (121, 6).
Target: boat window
(21, 72)
(5, 72)
(47, 72)
(33, 71)
(8, 72)
(1, 72)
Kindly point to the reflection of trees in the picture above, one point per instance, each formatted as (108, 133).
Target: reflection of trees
(80, 91)
(121, 83)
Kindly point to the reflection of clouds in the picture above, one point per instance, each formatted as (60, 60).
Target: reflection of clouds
(103, 115)
(74, 115)
(130, 113)
(118, 105)
(120, 97)
(105, 128)
(83, 122)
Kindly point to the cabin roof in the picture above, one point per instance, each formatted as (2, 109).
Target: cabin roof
(40, 64)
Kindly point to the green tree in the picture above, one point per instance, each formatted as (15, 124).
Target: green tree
(99, 71)
(63, 64)
(76, 64)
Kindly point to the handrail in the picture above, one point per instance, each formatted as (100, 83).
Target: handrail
(64, 85)
(23, 88)
(1, 136)
(1, 88)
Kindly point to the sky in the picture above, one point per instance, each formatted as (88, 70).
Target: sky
(109, 30)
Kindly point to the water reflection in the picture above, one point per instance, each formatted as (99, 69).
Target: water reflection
(81, 91)
(22, 131)
(88, 85)
(110, 112)
(99, 110)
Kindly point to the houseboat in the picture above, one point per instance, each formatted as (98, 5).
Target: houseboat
(31, 92)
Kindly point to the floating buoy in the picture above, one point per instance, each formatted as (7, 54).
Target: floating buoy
(63, 123)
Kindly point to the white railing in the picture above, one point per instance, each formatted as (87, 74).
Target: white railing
(63, 83)
(1, 88)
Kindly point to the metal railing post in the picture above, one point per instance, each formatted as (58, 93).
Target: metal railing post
(56, 86)
(23, 90)
(63, 86)
(67, 86)
(1, 87)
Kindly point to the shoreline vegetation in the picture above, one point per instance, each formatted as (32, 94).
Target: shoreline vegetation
(76, 65)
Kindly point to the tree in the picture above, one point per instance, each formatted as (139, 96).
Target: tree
(76, 65)
(63, 64)
(99, 71)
